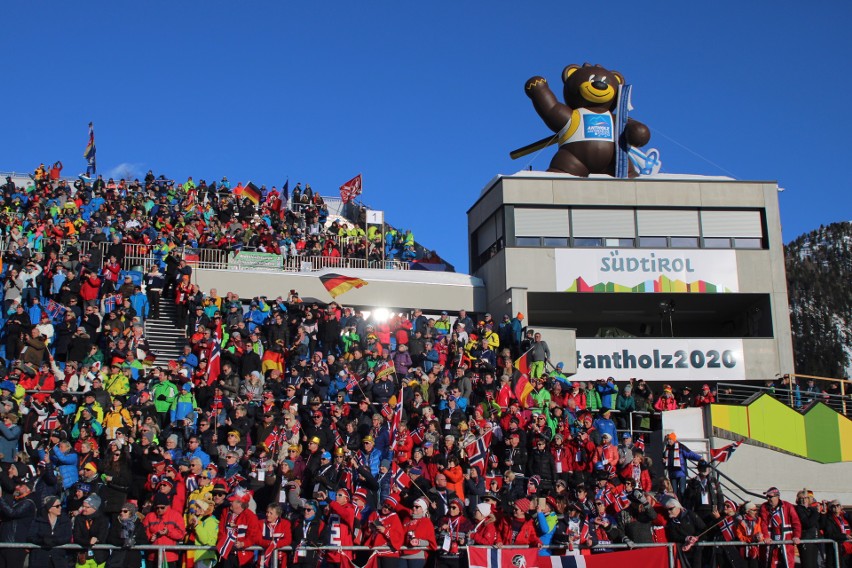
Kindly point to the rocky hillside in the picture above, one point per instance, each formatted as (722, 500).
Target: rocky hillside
(819, 283)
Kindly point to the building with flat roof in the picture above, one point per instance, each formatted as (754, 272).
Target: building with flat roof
(669, 277)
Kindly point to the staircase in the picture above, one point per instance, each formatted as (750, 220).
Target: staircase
(163, 337)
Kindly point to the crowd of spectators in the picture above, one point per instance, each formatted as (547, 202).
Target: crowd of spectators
(161, 215)
(291, 425)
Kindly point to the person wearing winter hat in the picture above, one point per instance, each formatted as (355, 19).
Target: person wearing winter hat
(164, 526)
(386, 529)
(453, 532)
(518, 529)
(485, 532)
(419, 533)
(51, 528)
(307, 533)
(202, 529)
(91, 527)
(126, 531)
(241, 523)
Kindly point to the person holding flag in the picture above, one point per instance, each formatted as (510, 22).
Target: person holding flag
(89, 154)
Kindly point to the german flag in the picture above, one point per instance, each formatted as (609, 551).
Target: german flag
(252, 192)
(337, 284)
(523, 389)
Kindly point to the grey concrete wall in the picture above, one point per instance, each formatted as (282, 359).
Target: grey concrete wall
(759, 271)
(563, 346)
(757, 469)
(402, 289)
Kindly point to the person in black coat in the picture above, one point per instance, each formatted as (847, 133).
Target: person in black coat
(683, 528)
(809, 516)
(90, 528)
(117, 478)
(306, 533)
(126, 531)
(16, 517)
(51, 528)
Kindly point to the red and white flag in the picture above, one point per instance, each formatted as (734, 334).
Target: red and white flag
(484, 557)
(351, 189)
(722, 455)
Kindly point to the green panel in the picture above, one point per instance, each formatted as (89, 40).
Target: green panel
(778, 425)
(823, 437)
(732, 418)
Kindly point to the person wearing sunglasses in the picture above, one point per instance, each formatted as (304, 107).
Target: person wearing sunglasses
(164, 526)
(419, 534)
(49, 529)
(90, 528)
(127, 531)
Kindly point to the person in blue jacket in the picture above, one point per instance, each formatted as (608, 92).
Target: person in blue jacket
(545, 522)
(10, 434)
(675, 455)
(63, 457)
(607, 391)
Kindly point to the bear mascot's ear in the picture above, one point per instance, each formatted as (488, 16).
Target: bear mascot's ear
(618, 77)
(568, 71)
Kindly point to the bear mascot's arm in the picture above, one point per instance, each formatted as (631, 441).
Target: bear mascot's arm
(555, 114)
(637, 133)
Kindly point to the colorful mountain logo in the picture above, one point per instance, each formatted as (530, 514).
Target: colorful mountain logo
(661, 284)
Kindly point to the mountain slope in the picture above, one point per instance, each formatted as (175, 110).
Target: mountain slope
(819, 284)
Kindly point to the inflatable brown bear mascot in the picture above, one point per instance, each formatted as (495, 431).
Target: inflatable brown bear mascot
(585, 124)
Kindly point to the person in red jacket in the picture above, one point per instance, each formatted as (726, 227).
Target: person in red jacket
(485, 532)
(275, 533)
(779, 521)
(519, 529)
(89, 289)
(637, 471)
(385, 530)
(419, 533)
(339, 528)
(239, 529)
(164, 526)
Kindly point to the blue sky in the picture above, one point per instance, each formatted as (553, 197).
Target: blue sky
(426, 99)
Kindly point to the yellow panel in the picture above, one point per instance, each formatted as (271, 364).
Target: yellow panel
(845, 428)
(733, 418)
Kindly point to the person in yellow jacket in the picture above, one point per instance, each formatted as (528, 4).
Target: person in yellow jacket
(116, 382)
(202, 529)
(491, 339)
(116, 418)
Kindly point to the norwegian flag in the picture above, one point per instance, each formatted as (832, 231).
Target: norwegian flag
(351, 189)
(338, 439)
(399, 477)
(50, 423)
(273, 440)
(214, 360)
(352, 382)
(477, 452)
(722, 455)
(639, 444)
(418, 435)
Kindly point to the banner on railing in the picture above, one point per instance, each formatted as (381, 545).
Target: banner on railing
(250, 260)
(482, 557)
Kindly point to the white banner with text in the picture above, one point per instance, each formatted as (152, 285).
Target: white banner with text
(660, 359)
(646, 270)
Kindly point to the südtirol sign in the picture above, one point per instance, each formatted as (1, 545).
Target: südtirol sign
(646, 270)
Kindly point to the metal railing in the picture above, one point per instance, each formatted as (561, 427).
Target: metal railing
(796, 397)
(140, 257)
(672, 548)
